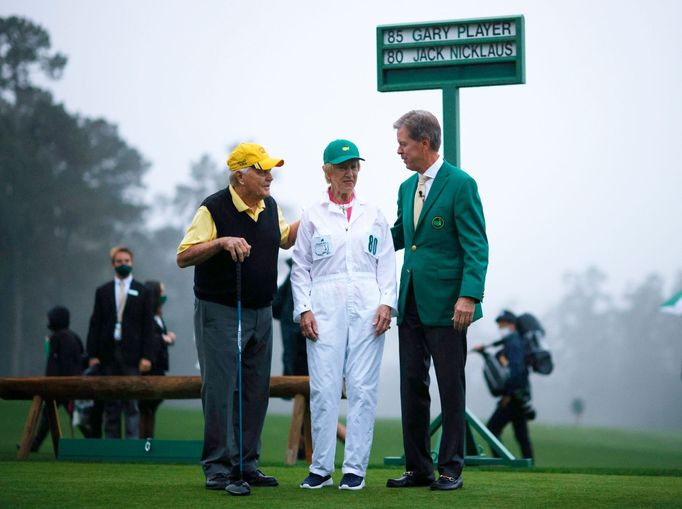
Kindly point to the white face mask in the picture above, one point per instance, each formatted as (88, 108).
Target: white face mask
(505, 331)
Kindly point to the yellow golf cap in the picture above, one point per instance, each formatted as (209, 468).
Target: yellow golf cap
(251, 154)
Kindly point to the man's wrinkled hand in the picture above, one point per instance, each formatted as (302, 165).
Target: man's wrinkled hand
(238, 248)
(464, 313)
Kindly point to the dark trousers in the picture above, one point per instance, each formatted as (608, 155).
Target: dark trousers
(215, 329)
(96, 418)
(114, 409)
(511, 410)
(148, 409)
(294, 354)
(448, 348)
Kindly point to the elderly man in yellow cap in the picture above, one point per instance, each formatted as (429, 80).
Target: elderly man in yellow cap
(239, 224)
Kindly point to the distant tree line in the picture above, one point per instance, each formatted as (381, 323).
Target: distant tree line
(70, 188)
(621, 357)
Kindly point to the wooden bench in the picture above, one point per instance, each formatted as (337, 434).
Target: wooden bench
(52, 389)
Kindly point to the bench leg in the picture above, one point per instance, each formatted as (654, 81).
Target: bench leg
(341, 433)
(295, 429)
(30, 428)
(55, 427)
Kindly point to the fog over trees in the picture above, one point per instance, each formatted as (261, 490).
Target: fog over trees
(619, 354)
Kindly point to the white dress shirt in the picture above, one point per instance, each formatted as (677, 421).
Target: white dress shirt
(431, 173)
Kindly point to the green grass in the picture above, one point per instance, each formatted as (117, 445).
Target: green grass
(74, 485)
(555, 446)
(576, 467)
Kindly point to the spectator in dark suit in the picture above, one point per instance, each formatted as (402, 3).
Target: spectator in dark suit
(163, 338)
(120, 337)
(64, 358)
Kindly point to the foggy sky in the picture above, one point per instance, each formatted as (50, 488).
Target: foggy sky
(578, 166)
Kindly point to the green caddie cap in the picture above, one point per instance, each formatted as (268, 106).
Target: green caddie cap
(339, 151)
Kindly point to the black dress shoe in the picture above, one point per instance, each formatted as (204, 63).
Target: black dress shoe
(409, 480)
(258, 478)
(217, 482)
(446, 482)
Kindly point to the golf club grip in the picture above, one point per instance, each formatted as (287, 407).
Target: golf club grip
(239, 281)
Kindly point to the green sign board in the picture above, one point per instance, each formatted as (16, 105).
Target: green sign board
(445, 54)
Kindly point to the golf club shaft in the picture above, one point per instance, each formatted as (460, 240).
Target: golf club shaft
(239, 365)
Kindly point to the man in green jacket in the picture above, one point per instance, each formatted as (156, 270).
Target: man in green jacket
(441, 226)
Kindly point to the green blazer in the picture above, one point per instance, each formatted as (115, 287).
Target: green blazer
(446, 255)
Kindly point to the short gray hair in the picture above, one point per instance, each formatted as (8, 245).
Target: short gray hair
(233, 175)
(421, 125)
(326, 168)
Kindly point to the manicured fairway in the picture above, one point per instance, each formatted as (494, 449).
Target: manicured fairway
(555, 446)
(72, 485)
(576, 467)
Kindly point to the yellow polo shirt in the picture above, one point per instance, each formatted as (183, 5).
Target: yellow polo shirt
(203, 227)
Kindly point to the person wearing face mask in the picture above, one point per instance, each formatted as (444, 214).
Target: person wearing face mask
(120, 337)
(514, 405)
(163, 338)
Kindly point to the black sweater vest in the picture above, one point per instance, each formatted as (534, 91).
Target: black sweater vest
(215, 279)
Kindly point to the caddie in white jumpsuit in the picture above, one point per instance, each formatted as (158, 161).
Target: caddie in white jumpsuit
(344, 289)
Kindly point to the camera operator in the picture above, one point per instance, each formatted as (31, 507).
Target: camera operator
(515, 404)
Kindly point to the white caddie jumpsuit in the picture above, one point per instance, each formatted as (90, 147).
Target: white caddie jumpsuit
(343, 271)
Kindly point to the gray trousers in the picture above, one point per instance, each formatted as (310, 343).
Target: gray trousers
(215, 329)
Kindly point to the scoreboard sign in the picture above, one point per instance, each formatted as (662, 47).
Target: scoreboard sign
(461, 53)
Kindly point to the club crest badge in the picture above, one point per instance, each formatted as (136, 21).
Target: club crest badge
(437, 222)
(322, 247)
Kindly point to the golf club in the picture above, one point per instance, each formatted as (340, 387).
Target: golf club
(239, 487)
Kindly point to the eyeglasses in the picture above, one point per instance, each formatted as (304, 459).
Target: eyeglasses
(260, 173)
(343, 168)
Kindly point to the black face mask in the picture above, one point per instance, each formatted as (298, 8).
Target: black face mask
(123, 270)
